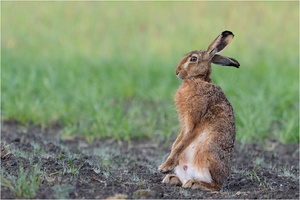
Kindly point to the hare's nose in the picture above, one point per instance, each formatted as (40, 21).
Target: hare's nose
(177, 72)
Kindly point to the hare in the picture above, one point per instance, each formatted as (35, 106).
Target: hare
(201, 154)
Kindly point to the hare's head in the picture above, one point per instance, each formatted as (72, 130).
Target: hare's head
(196, 64)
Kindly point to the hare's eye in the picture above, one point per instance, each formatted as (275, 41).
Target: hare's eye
(193, 59)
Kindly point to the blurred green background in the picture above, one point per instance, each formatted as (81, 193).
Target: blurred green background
(106, 69)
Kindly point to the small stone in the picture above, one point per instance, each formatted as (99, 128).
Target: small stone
(117, 196)
(147, 194)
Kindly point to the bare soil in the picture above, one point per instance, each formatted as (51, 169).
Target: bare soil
(115, 169)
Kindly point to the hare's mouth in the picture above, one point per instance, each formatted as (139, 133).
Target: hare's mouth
(179, 75)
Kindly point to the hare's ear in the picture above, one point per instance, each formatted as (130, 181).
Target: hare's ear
(220, 42)
(225, 61)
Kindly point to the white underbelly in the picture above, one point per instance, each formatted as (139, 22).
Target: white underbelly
(188, 170)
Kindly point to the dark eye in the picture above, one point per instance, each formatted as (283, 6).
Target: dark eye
(193, 59)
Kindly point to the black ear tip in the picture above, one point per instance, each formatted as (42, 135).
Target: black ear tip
(226, 33)
(234, 63)
(237, 65)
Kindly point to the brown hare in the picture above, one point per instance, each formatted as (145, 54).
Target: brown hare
(201, 154)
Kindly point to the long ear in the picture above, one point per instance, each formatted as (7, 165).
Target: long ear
(225, 61)
(220, 42)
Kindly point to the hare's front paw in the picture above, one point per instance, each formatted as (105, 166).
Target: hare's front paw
(167, 166)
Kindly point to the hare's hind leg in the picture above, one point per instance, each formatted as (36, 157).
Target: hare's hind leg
(171, 179)
(212, 168)
(196, 184)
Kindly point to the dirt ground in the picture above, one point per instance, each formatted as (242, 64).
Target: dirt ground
(73, 168)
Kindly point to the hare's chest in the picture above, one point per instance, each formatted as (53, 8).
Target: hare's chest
(189, 93)
(190, 106)
(185, 97)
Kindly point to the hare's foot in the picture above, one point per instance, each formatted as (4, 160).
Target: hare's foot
(194, 184)
(167, 166)
(171, 179)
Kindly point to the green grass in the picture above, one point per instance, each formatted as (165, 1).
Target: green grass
(105, 69)
(26, 184)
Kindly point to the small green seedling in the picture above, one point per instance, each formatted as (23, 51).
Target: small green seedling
(254, 176)
(60, 155)
(73, 170)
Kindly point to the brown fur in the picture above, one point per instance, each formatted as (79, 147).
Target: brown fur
(202, 106)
